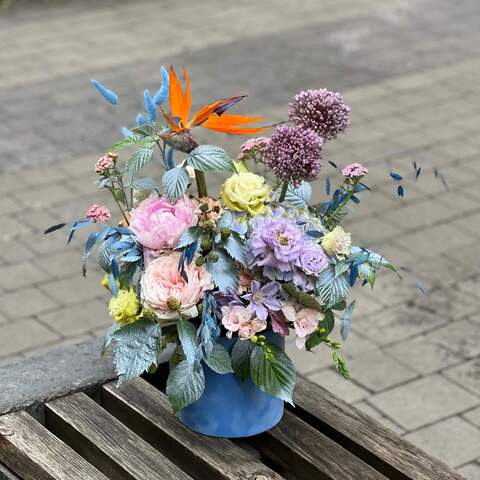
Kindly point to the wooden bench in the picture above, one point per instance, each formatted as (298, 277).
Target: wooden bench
(130, 433)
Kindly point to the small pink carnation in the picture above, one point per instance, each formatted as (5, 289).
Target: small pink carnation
(254, 143)
(234, 317)
(158, 224)
(98, 214)
(354, 170)
(105, 162)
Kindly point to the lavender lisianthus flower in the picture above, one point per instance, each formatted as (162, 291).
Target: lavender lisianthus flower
(294, 154)
(320, 110)
(312, 259)
(263, 299)
(276, 244)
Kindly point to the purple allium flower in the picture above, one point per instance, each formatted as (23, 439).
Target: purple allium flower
(354, 170)
(294, 154)
(263, 299)
(313, 259)
(276, 244)
(320, 110)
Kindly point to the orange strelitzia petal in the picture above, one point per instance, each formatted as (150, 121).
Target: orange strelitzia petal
(179, 103)
(228, 123)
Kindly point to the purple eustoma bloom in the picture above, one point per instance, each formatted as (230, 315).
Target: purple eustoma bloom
(263, 299)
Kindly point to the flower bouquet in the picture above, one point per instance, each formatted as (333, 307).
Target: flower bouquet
(221, 281)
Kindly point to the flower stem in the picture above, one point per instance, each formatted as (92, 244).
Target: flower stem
(283, 193)
(201, 184)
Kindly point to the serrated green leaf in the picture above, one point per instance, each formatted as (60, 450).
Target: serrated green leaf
(210, 158)
(303, 298)
(332, 289)
(126, 142)
(146, 130)
(144, 184)
(340, 305)
(235, 248)
(328, 322)
(175, 182)
(241, 352)
(219, 360)
(341, 267)
(273, 372)
(139, 159)
(137, 347)
(185, 385)
(298, 197)
(189, 236)
(225, 272)
(368, 273)
(188, 338)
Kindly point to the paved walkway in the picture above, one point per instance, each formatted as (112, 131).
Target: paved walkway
(411, 72)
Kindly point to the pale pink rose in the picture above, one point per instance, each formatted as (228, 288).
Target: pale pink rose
(158, 224)
(249, 329)
(163, 287)
(234, 317)
(305, 323)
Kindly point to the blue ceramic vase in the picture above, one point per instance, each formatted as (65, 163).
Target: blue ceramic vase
(230, 407)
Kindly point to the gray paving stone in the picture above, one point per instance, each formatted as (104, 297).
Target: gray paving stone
(26, 302)
(461, 338)
(467, 375)
(378, 371)
(21, 275)
(24, 335)
(75, 320)
(331, 380)
(470, 471)
(473, 416)
(423, 401)
(308, 362)
(453, 440)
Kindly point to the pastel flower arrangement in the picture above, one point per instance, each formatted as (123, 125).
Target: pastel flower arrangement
(185, 268)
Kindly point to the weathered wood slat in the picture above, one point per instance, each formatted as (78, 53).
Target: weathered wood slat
(105, 442)
(307, 453)
(146, 410)
(7, 474)
(364, 437)
(33, 453)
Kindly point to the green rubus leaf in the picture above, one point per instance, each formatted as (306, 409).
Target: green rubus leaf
(303, 298)
(219, 360)
(175, 182)
(188, 338)
(328, 322)
(146, 130)
(185, 385)
(241, 352)
(210, 158)
(332, 289)
(298, 197)
(273, 372)
(235, 248)
(189, 236)
(139, 159)
(137, 347)
(144, 184)
(224, 271)
(131, 140)
(368, 273)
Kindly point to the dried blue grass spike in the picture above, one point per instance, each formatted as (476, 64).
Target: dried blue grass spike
(140, 120)
(107, 94)
(162, 93)
(150, 107)
(400, 191)
(396, 176)
(126, 132)
(327, 185)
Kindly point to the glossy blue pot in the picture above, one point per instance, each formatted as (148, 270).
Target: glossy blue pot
(230, 407)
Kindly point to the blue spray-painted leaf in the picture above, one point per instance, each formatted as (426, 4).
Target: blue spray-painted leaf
(400, 191)
(396, 176)
(346, 318)
(107, 94)
(353, 275)
(355, 199)
(112, 285)
(77, 226)
(423, 289)
(150, 107)
(126, 132)
(327, 185)
(441, 178)
(115, 268)
(162, 93)
(140, 120)
(54, 228)
(417, 173)
(332, 164)
(361, 187)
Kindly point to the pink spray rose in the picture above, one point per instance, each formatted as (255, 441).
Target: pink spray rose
(304, 320)
(158, 224)
(165, 291)
(249, 329)
(234, 317)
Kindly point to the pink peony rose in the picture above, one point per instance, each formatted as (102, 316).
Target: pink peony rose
(305, 323)
(165, 291)
(234, 317)
(158, 224)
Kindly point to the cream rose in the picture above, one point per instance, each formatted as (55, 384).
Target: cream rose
(337, 243)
